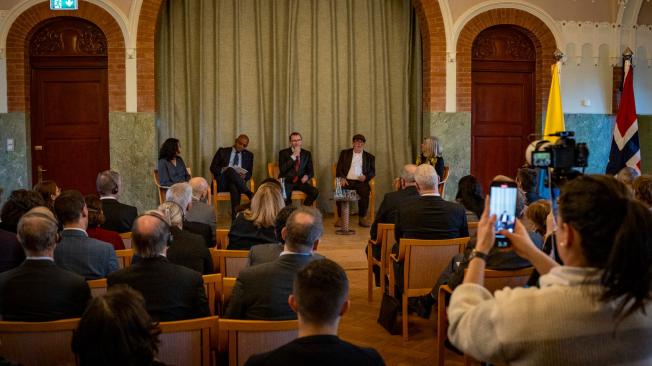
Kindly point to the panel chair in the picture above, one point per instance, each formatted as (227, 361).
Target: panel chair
(98, 287)
(226, 196)
(423, 261)
(222, 238)
(372, 196)
(232, 261)
(124, 257)
(163, 189)
(38, 343)
(213, 288)
(126, 239)
(385, 240)
(249, 337)
(273, 172)
(188, 342)
(493, 280)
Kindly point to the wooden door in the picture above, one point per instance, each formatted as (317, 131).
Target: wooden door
(502, 101)
(69, 103)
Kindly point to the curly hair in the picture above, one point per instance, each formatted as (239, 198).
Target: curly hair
(169, 149)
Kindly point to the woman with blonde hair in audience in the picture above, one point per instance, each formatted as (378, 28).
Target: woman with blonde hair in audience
(592, 310)
(643, 190)
(431, 153)
(49, 190)
(96, 219)
(171, 168)
(256, 224)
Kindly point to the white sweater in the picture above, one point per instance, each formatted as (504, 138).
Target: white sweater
(561, 323)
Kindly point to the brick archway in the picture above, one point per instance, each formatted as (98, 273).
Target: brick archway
(18, 59)
(536, 29)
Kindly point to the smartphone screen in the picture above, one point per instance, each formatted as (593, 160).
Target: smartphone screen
(503, 205)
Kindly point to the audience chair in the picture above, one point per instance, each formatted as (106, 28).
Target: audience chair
(124, 257)
(38, 343)
(493, 280)
(222, 238)
(372, 196)
(126, 239)
(228, 283)
(273, 172)
(215, 259)
(226, 196)
(384, 239)
(423, 261)
(213, 288)
(98, 287)
(232, 261)
(249, 337)
(188, 342)
(473, 229)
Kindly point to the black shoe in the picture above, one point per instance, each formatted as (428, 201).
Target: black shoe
(451, 347)
(424, 306)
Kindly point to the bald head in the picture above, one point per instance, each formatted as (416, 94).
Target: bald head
(426, 179)
(199, 189)
(303, 228)
(150, 234)
(407, 175)
(37, 232)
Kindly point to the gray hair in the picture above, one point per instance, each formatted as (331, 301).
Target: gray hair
(151, 239)
(37, 230)
(199, 187)
(426, 177)
(303, 228)
(108, 182)
(434, 146)
(173, 213)
(181, 194)
(407, 174)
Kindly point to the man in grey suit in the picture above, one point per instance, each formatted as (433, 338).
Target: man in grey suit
(261, 292)
(77, 252)
(200, 210)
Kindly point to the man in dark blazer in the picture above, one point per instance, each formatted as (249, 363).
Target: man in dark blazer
(118, 216)
(38, 290)
(225, 167)
(171, 292)
(355, 168)
(320, 299)
(295, 168)
(77, 252)
(261, 292)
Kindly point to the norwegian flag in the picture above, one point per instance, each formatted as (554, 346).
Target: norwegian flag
(625, 148)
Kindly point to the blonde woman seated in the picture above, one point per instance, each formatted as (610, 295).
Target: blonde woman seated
(593, 310)
(256, 224)
(431, 154)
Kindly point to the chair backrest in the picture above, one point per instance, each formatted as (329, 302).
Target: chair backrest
(222, 238)
(497, 280)
(124, 257)
(98, 287)
(213, 288)
(161, 189)
(385, 236)
(473, 229)
(232, 261)
(126, 239)
(249, 337)
(228, 283)
(215, 259)
(188, 342)
(38, 343)
(273, 170)
(425, 259)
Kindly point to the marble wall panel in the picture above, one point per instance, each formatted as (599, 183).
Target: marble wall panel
(14, 165)
(645, 139)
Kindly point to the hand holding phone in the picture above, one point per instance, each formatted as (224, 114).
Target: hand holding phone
(503, 205)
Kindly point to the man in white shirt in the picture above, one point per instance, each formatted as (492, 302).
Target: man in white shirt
(355, 167)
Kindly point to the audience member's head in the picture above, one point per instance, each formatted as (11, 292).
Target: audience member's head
(108, 183)
(426, 179)
(116, 330)
(281, 221)
(431, 147)
(95, 213)
(407, 175)
(526, 179)
(70, 208)
(173, 213)
(199, 187)
(169, 150)
(150, 234)
(643, 189)
(19, 202)
(265, 205)
(49, 190)
(469, 194)
(304, 227)
(627, 175)
(181, 194)
(536, 213)
(38, 232)
(320, 293)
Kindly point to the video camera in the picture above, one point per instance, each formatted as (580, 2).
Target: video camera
(561, 157)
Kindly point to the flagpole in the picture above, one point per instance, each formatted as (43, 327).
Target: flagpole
(627, 61)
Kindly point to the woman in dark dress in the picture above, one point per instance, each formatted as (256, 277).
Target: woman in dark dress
(431, 154)
(171, 168)
(469, 195)
(256, 224)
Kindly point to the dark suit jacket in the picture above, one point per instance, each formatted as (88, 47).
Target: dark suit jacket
(243, 234)
(286, 164)
(261, 292)
(171, 292)
(431, 217)
(85, 256)
(201, 229)
(391, 202)
(119, 217)
(263, 253)
(344, 164)
(188, 250)
(11, 252)
(318, 350)
(221, 160)
(40, 291)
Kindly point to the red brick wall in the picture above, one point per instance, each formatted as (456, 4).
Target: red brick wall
(145, 55)
(18, 58)
(433, 37)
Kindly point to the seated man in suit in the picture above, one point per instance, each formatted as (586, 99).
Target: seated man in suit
(295, 168)
(355, 168)
(77, 252)
(261, 291)
(200, 210)
(186, 249)
(320, 299)
(118, 216)
(171, 292)
(226, 168)
(38, 290)
(181, 194)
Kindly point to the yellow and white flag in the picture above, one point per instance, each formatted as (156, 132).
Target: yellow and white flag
(555, 113)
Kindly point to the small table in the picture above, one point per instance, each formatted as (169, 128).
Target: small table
(345, 230)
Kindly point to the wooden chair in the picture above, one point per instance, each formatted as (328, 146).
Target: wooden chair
(249, 337)
(213, 288)
(372, 196)
(126, 239)
(188, 342)
(232, 261)
(493, 280)
(98, 287)
(215, 259)
(228, 283)
(124, 257)
(385, 239)
(38, 343)
(163, 189)
(273, 172)
(423, 261)
(222, 238)
(473, 229)
(226, 196)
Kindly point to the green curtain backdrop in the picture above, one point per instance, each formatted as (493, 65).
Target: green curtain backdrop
(326, 68)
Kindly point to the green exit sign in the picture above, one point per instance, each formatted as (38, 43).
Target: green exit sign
(64, 4)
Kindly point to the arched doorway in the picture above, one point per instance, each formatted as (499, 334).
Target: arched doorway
(69, 102)
(502, 100)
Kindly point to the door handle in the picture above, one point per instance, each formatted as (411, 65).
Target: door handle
(40, 171)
